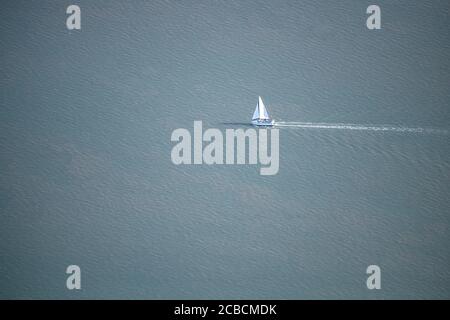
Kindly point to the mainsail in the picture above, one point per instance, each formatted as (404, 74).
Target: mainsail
(260, 111)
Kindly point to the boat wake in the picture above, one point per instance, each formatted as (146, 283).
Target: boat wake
(348, 126)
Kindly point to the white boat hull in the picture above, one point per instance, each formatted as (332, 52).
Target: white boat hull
(263, 122)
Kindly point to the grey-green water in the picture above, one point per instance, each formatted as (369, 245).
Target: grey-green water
(86, 176)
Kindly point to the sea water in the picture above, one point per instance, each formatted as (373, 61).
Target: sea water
(87, 179)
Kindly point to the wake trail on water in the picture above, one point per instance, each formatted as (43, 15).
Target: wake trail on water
(348, 126)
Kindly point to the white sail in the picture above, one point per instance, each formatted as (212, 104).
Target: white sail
(261, 116)
(256, 113)
(262, 110)
(266, 115)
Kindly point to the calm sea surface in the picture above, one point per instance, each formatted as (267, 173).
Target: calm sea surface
(86, 175)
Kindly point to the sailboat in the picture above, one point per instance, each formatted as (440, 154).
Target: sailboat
(261, 116)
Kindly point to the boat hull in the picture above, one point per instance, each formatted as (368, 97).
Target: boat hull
(263, 123)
